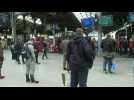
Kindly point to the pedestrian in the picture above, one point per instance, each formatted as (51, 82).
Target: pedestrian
(94, 45)
(30, 62)
(80, 58)
(108, 47)
(23, 53)
(125, 45)
(121, 45)
(44, 50)
(12, 50)
(131, 44)
(36, 50)
(64, 50)
(1, 60)
(18, 50)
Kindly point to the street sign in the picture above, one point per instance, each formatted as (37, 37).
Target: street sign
(88, 22)
(106, 20)
(131, 17)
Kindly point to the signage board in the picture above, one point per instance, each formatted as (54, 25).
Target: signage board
(131, 17)
(87, 22)
(106, 20)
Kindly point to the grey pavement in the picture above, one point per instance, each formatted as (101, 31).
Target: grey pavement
(49, 73)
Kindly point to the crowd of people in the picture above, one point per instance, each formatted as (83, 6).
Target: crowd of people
(125, 46)
(18, 49)
(29, 51)
(78, 51)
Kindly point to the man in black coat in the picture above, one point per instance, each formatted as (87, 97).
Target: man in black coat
(80, 56)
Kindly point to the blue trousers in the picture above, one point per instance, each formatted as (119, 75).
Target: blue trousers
(79, 77)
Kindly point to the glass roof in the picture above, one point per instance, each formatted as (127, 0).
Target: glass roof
(81, 15)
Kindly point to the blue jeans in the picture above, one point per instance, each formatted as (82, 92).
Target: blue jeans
(79, 77)
(107, 61)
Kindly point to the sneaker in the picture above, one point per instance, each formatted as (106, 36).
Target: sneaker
(1, 77)
(35, 82)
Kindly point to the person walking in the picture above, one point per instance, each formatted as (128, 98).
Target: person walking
(30, 62)
(131, 46)
(18, 50)
(80, 56)
(1, 60)
(44, 50)
(36, 50)
(23, 53)
(64, 50)
(12, 50)
(108, 47)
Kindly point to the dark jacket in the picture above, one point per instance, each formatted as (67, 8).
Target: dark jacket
(82, 57)
(108, 47)
(1, 54)
(18, 47)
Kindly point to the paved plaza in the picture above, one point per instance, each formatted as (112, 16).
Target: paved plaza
(49, 73)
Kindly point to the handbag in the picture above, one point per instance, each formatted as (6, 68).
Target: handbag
(65, 78)
(114, 67)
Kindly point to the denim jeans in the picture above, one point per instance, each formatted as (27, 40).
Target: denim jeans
(107, 61)
(79, 77)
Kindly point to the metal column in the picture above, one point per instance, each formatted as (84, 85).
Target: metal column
(99, 35)
(13, 24)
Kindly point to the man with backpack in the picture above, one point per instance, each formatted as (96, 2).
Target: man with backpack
(30, 62)
(108, 47)
(80, 56)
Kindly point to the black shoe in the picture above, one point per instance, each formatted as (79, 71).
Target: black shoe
(33, 80)
(111, 72)
(105, 72)
(27, 78)
(19, 63)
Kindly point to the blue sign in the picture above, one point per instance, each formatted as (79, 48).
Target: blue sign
(88, 22)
